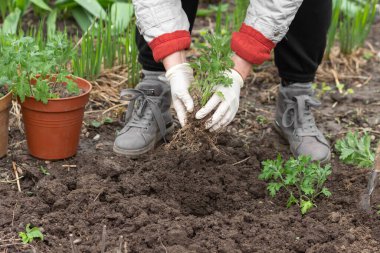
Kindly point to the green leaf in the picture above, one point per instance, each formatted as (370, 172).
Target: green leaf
(44, 171)
(24, 237)
(273, 188)
(121, 15)
(30, 234)
(21, 4)
(11, 22)
(83, 19)
(93, 7)
(306, 206)
(51, 22)
(41, 4)
(291, 201)
(356, 150)
(326, 192)
(96, 123)
(108, 120)
(35, 233)
(220, 94)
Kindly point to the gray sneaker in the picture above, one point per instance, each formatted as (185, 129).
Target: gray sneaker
(295, 122)
(148, 117)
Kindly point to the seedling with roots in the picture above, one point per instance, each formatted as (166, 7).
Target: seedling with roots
(210, 68)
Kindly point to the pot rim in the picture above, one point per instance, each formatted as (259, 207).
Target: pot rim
(68, 98)
(6, 95)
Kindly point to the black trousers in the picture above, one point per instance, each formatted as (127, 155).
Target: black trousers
(297, 56)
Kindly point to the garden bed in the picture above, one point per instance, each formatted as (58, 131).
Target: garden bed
(210, 201)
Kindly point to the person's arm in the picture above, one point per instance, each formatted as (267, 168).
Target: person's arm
(266, 23)
(164, 25)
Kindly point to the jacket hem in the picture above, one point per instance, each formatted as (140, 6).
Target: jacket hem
(169, 43)
(251, 45)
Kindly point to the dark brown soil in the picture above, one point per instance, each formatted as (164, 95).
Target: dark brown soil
(208, 201)
(3, 91)
(60, 90)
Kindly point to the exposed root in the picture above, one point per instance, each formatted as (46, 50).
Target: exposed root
(194, 137)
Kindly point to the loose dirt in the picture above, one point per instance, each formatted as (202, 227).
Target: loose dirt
(3, 91)
(208, 201)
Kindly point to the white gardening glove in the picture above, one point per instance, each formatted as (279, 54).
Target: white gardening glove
(225, 108)
(180, 78)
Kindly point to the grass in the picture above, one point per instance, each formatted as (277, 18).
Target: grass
(103, 46)
(351, 24)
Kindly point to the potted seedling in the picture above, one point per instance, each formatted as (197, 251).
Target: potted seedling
(210, 67)
(52, 101)
(5, 104)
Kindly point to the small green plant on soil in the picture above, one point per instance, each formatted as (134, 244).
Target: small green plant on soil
(321, 89)
(262, 120)
(23, 61)
(44, 171)
(302, 179)
(356, 150)
(99, 123)
(30, 234)
(210, 66)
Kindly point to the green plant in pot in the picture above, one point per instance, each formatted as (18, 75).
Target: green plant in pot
(52, 100)
(5, 104)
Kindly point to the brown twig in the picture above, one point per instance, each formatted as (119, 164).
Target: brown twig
(73, 247)
(16, 175)
(244, 160)
(103, 242)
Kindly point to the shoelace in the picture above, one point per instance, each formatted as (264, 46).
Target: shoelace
(298, 113)
(142, 116)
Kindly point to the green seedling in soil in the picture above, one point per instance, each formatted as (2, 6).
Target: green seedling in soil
(342, 90)
(356, 150)
(321, 89)
(23, 60)
(302, 179)
(30, 234)
(214, 61)
(261, 120)
(44, 171)
(97, 124)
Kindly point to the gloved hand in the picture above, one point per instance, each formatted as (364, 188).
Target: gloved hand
(180, 78)
(227, 107)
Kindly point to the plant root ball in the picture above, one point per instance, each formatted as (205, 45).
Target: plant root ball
(193, 137)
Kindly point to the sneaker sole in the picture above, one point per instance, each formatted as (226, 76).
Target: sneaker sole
(279, 131)
(138, 152)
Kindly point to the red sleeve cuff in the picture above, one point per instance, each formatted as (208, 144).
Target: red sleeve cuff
(169, 43)
(251, 45)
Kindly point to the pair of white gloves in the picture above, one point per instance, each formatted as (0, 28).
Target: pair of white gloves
(180, 78)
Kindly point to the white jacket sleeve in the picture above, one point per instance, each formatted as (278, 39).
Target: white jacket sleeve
(164, 25)
(266, 23)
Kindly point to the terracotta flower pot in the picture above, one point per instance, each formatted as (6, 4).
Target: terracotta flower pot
(53, 129)
(5, 104)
